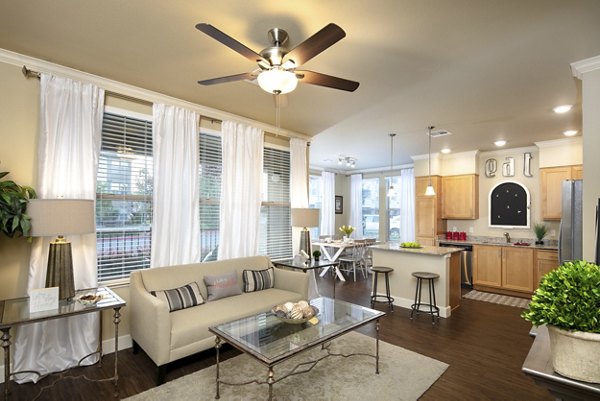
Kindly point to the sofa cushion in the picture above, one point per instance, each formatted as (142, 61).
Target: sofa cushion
(191, 325)
(182, 297)
(222, 286)
(258, 280)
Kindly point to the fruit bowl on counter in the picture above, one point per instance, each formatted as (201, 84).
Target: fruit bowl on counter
(413, 245)
(521, 243)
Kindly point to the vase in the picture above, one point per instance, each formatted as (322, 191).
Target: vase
(575, 354)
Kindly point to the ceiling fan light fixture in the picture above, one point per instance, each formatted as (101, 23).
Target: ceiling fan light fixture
(277, 81)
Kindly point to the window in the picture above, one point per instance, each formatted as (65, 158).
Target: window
(393, 208)
(370, 207)
(315, 199)
(275, 212)
(124, 196)
(211, 170)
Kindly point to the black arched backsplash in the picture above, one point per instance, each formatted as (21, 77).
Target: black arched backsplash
(509, 205)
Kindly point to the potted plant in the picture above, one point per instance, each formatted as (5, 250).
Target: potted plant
(346, 230)
(317, 255)
(14, 222)
(567, 301)
(540, 230)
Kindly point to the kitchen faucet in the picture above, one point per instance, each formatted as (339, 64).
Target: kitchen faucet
(507, 235)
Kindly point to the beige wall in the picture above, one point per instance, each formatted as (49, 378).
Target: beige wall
(591, 160)
(561, 152)
(18, 140)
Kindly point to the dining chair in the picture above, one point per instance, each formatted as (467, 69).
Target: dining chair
(355, 259)
(368, 255)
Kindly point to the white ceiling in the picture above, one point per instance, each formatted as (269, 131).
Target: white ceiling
(482, 69)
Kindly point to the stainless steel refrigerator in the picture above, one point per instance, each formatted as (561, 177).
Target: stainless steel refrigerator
(570, 239)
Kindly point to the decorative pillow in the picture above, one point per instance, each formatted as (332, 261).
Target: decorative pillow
(222, 286)
(182, 297)
(258, 280)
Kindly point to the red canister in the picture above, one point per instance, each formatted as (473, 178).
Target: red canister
(463, 236)
(448, 234)
(455, 235)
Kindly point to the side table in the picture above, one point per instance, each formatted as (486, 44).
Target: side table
(312, 265)
(15, 312)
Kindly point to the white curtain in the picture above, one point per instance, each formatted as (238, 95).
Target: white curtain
(299, 198)
(356, 205)
(68, 151)
(176, 210)
(407, 205)
(241, 190)
(298, 183)
(328, 211)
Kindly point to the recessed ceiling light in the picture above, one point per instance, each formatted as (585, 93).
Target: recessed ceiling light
(445, 151)
(570, 132)
(499, 143)
(563, 108)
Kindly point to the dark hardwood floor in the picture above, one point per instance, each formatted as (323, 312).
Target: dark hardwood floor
(485, 345)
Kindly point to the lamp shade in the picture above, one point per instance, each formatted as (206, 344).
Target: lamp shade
(305, 217)
(277, 81)
(52, 217)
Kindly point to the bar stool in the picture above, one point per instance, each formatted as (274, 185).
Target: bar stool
(384, 298)
(432, 305)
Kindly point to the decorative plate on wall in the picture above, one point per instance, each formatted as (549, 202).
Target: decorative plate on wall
(509, 205)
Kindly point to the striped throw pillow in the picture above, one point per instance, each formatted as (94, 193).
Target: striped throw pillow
(182, 297)
(258, 280)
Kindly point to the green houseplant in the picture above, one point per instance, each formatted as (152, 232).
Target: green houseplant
(540, 230)
(14, 222)
(317, 255)
(567, 301)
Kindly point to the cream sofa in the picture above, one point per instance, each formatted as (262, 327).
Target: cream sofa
(167, 336)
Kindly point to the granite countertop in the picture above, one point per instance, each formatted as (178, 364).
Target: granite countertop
(548, 245)
(424, 250)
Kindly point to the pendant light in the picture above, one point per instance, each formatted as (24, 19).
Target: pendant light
(391, 189)
(429, 191)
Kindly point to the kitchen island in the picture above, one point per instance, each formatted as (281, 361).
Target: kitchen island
(443, 261)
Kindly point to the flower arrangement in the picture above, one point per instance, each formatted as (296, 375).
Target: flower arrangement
(347, 230)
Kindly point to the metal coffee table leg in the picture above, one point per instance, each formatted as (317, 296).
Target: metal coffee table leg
(218, 347)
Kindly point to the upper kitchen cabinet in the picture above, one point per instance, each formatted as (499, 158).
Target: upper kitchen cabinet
(551, 188)
(428, 219)
(461, 197)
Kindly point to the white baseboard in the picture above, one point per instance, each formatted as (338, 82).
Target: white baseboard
(108, 347)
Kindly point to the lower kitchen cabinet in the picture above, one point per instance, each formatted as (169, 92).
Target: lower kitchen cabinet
(507, 269)
(545, 261)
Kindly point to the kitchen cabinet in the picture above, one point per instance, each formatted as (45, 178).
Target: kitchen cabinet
(428, 221)
(461, 197)
(505, 268)
(545, 261)
(551, 188)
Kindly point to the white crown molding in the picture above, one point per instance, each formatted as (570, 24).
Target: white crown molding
(135, 92)
(578, 68)
(425, 156)
(508, 151)
(559, 142)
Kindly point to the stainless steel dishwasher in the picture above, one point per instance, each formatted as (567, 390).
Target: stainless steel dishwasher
(466, 261)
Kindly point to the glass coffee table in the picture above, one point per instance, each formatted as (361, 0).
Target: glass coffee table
(271, 341)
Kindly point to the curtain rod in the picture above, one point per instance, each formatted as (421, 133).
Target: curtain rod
(29, 73)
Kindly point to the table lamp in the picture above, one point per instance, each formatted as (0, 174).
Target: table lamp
(305, 217)
(60, 217)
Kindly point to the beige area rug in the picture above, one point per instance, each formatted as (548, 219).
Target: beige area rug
(403, 375)
(497, 299)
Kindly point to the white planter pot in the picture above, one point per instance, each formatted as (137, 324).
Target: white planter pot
(575, 354)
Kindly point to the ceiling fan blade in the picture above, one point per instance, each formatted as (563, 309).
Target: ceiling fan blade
(314, 45)
(316, 78)
(230, 78)
(230, 42)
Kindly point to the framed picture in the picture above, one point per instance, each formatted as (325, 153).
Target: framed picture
(339, 204)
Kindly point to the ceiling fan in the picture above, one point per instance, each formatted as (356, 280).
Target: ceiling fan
(277, 72)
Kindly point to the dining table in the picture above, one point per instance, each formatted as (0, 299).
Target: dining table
(332, 251)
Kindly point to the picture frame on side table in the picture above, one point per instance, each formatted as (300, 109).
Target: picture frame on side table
(339, 204)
